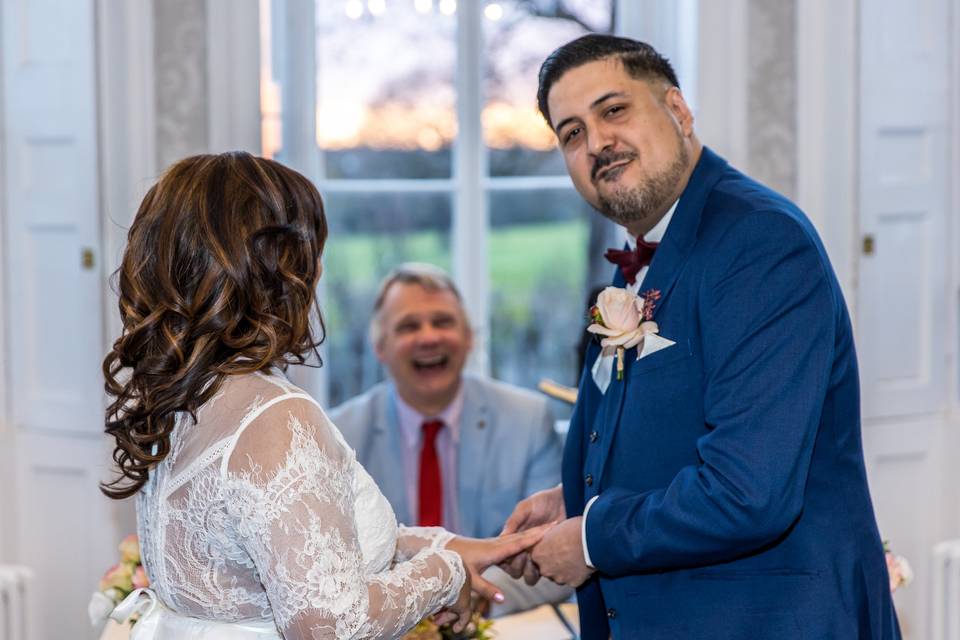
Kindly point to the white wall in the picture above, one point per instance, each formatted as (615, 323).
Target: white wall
(7, 488)
(721, 116)
(827, 128)
(233, 62)
(950, 501)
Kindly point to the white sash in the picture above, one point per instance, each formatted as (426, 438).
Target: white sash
(160, 623)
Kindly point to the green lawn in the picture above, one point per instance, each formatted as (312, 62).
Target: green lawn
(520, 256)
(524, 257)
(524, 260)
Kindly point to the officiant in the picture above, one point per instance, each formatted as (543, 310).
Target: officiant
(448, 448)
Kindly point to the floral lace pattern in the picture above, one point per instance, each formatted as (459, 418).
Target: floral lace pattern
(262, 512)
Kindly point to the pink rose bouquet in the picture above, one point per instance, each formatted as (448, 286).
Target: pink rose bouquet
(479, 628)
(118, 582)
(898, 569)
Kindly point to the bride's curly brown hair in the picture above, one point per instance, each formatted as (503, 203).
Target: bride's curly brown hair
(218, 279)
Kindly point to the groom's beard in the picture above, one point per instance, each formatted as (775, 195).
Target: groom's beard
(628, 206)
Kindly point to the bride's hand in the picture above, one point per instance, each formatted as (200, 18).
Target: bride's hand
(460, 612)
(478, 554)
(542, 507)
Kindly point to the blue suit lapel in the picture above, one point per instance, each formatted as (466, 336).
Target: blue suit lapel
(681, 235)
(666, 267)
(476, 427)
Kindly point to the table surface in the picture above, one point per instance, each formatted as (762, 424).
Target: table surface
(541, 623)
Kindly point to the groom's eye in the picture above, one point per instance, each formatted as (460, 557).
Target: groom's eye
(571, 134)
(614, 110)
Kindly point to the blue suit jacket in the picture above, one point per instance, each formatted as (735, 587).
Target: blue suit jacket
(733, 500)
(508, 449)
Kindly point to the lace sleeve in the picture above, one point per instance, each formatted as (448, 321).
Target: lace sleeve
(289, 488)
(413, 540)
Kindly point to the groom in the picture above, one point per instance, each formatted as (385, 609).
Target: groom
(717, 488)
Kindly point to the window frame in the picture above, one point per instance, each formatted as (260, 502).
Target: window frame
(292, 24)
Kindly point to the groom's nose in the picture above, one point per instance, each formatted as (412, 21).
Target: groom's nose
(600, 138)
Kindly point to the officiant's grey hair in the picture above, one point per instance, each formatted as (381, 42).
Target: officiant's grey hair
(428, 276)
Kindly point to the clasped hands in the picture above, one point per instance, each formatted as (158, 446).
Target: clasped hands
(479, 554)
(537, 540)
(559, 553)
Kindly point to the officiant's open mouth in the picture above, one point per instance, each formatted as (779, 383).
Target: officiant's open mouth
(431, 364)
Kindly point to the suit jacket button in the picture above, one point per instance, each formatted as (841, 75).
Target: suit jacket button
(611, 613)
(594, 436)
(589, 480)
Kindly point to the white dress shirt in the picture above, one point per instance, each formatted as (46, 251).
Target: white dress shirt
(411, 431)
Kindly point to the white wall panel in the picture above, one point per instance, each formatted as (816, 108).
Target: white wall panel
(721, 117)
(907, 463)
(53, 451)
(68, 531)
(52, 207)
(7, 488)
(827, 116)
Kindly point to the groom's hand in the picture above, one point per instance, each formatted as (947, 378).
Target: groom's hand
(541, 508)
(559, 556)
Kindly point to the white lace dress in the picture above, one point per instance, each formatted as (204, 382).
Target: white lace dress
(261, 522)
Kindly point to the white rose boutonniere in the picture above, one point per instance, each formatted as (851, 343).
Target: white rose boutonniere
(623, 319)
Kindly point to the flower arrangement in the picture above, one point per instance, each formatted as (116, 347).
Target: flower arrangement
(898, 568)
(624, 319)
(479, 628)
(119, 580)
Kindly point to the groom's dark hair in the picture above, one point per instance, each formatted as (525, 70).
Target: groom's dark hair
(639, 59)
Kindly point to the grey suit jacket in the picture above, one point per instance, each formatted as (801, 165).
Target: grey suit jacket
(508, 450)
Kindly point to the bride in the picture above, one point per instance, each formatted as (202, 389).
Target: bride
(255, 519)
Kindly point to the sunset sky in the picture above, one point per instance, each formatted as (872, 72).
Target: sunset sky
(386, 72)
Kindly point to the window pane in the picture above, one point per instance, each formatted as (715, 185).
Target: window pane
(538, 262)
(369, 235)
(518, 36)
(386, 99)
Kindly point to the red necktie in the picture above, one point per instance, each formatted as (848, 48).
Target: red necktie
(431, 482)
(630, 262)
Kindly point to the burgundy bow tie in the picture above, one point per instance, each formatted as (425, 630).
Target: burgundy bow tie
(630, 262)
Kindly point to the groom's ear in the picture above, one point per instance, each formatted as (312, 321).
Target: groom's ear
(674, 101)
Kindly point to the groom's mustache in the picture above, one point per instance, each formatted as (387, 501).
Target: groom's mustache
(606, 158)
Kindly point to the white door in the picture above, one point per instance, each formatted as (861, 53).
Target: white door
(52, 205)
(904, 194)
(903, 294)
(54, 318)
